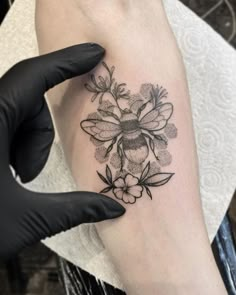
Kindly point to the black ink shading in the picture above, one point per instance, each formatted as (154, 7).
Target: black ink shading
(133, 127)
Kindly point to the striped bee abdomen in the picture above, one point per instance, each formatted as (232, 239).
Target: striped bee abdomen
(134, 144)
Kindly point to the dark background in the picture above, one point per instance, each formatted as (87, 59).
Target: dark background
(35, 270)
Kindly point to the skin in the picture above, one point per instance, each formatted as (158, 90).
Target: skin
(159, 246)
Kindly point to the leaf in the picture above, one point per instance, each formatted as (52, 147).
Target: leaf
(162, 92)
(101, 97)
(125, 96)
(90, 88)
(148, 192)
(109, 149)
(102, 80)
(114, 116)
(122, 84)
(94, 81)
(105, 66)
(159, 137)
(107, 113)
(106, 190)
(109, 174)
(153, 99)
(141, 109)
(158, 179)
(101, 85)
(103, 178)
(112, 70)
(94, 97)
(145, 172)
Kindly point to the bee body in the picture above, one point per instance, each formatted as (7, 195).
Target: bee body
(131, 130)
(134, 144)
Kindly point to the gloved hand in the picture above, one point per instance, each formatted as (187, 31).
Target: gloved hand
(26, 136)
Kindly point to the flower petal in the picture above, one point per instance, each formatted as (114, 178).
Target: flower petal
(118, 193)
(136, 191)
(131, 180)
(128, 198)
(119, 182)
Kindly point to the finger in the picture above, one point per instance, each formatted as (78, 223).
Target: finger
(24, 112)
(31, 145)
(41, 73)
(49, 214)
(24, 85)
(27, 217)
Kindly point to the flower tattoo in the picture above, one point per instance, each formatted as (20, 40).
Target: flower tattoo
(127, 189)
(131, 126)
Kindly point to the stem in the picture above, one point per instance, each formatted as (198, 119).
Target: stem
(150, 138)
(115, 99)
(111, 76)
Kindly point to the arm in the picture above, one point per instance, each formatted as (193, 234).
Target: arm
(161, 243)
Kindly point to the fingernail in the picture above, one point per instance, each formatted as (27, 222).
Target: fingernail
(84, 57)
(95, 47)
(115, 209)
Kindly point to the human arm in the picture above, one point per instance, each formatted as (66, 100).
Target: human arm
(160, 244)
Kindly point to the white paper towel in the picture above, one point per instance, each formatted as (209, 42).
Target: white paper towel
(211, 69)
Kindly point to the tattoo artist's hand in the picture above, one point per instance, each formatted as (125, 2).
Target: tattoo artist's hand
(26, 136)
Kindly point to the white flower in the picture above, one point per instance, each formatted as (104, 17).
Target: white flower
(127, 189)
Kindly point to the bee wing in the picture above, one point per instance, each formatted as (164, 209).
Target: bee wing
(101, 130)
(157, 118)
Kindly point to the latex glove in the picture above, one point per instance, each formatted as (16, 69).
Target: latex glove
(26, 136)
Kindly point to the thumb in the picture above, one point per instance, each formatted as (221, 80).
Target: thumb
(29, 217)
(59, 212)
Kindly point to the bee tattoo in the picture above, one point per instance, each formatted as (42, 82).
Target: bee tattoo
(133, 125)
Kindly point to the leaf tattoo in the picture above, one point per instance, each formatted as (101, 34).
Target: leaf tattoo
(130, 186)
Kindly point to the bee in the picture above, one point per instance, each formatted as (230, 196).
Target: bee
(134, 133)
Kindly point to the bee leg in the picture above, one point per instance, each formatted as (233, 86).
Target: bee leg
(120, 153)
(151, 145)
(158, 137)
(110, 147)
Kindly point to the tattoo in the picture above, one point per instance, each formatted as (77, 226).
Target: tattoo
(134, 126)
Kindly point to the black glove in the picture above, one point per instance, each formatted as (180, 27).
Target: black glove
(26, 136)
